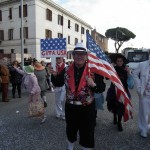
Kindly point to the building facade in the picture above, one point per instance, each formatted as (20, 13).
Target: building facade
(101, 40)
(41, 19)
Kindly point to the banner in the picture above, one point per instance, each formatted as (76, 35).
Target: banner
(53, 47)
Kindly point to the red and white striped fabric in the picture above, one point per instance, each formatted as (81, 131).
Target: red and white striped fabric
(104, 68)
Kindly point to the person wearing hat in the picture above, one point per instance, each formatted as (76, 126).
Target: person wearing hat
(142, 80)
(41, 74)
(30, 83)
(29, 80)
(15, 78)
(113, 105)
(80, 104)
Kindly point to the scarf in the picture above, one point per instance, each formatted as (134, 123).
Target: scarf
(71, 81)
(60, 67)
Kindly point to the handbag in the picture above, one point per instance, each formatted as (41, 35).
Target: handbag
(130, 82)
(99, 100)
(35, 109)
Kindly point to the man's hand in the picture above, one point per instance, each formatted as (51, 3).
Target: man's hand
(128, 70)
(90, 82)
(54, 73)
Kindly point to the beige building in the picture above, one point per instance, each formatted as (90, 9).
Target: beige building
(101, 40)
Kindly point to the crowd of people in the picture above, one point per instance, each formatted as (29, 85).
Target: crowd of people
(75, 92)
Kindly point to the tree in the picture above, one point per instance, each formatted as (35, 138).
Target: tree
(119, 35)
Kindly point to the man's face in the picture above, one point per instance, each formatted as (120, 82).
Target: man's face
(80, 58)
(59, 60)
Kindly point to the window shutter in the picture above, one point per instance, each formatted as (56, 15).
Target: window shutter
(50, 15)
(19, 11)
(0, 15)
(25, 12)
(62, 20)
(10, 13)
(47, 14)
(69, 24)
(1, 34)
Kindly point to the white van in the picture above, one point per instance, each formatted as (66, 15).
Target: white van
(134, 57)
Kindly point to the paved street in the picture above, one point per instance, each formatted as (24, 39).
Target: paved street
(18, 132)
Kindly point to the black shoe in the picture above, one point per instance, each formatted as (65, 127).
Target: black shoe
(14, 96)
(19, 96)
(120, 127)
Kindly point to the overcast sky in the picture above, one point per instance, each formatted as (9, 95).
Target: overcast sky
(106, 14)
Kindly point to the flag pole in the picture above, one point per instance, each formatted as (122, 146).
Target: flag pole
(22, 44)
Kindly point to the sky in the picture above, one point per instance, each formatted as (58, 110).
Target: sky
(106, 14)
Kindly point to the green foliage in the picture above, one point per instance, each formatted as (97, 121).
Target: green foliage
(119, 34)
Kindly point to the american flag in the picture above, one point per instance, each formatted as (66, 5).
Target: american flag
(98, 63)
(53, 44)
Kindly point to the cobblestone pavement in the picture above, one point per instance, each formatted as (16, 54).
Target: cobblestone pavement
(18, 132)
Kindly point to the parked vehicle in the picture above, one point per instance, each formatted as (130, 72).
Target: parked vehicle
(134, 57)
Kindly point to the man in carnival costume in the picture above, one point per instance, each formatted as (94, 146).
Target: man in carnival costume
(60, 91)
(80, 103)
(142, 80)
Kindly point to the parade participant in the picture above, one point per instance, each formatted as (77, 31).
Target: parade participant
(30, 83)
(114, 106)
(48, 76)
(15, 78)
(142, 80)
(60, 91)
(4, 74)
(40, 73)
(80, 105)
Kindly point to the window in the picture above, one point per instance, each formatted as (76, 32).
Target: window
(10, 34)
(68, 39)
(25, 50)
(96, 37)
(0, 15)
(10, 13)
(82, 30)
(48, 33)
(25, 32)
(60, 35)
(1, 51)
(1, 35)
(60, 20)
(87, 31)
(69, 24)
(77, 27)
(48, 14)
(76, 41)
(12, 50)
(24, 11)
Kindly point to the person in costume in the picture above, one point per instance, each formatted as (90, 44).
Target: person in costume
(60, 91)
(142, 80)
(80, 104)
(113, 105)
(41, 74)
